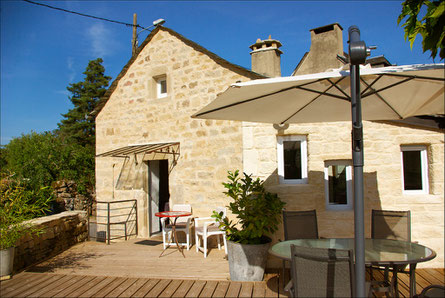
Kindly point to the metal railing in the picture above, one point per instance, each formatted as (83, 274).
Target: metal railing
(121, 215)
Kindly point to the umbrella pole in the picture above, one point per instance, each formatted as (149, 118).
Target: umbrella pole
(357, 54)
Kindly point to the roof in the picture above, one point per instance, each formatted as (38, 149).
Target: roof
(236, 68)
(164, 148)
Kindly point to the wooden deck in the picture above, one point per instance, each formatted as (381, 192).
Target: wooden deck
(134, 269)
(28, 284)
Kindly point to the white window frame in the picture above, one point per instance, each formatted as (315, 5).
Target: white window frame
(280, 155)
(159, 81)
(423, 166)
(349, 189)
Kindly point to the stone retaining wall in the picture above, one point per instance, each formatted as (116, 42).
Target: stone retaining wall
(59, 232)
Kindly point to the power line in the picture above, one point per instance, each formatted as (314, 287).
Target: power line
(84, 15)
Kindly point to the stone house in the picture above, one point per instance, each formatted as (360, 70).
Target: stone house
(150, 149)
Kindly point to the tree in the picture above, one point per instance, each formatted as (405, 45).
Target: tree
(78, 125)
(430, 27)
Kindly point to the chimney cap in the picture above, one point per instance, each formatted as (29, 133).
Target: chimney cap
(326, 28)
(269, 43)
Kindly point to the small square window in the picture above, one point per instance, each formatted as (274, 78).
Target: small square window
(414, 169)
(338, 185)
(161, 86)
(292, 159)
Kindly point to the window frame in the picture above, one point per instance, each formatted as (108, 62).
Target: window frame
(423, 166)
(304, 159)
(159, 81)
(349, 185)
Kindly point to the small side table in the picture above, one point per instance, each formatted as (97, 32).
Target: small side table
(176, 215)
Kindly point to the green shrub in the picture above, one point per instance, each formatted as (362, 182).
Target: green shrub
(17, 205)
(257, 210)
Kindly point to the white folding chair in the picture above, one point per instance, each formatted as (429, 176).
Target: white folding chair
(206, 227)
(183, 224)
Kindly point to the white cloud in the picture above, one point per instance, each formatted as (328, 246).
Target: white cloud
(71, 70)
(101, 40)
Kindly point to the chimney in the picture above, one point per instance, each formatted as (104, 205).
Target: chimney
(266, 57)
(326, 44)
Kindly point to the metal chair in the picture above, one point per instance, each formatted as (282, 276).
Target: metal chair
(321, 272)
(299, 225)
(206, 227)
(433, 291)
(183, 224)
(395, 225)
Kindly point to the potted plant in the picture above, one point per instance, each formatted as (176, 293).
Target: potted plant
(258, 215)
(17, 205)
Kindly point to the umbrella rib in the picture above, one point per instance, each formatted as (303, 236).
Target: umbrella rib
(414, 77)
(318, 96)
(368, 86)
(387, 87)
(338, 88)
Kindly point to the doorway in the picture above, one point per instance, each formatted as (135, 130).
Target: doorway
(158, 192)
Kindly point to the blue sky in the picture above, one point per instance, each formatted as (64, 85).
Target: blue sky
(44, 50)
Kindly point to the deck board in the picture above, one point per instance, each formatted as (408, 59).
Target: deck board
(184, 288)
(208, 289)
(196, 289)
(171, 288)
(133, 288)
(221, 289)
(116, 292)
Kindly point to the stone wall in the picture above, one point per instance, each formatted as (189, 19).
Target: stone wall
(59, 232)
(382, 176)
(68, 199)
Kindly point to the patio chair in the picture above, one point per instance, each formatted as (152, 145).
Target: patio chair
(183, 224)
(206, 227)
(321, 272)
(395, 225)
(432, 291)
(299, 225)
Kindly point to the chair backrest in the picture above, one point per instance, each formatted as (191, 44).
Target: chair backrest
(300, 224)
(433, 291)
(182, 207)
(394, 225)
(322, 272)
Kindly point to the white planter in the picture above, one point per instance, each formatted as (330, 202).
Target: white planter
(247, 261)
(6, 261)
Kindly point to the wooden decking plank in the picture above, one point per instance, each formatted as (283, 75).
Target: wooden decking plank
(221, 289)
(134, 287)
(110, 287)
(439, 278)
(246, 289)
(91, 292)
(158, 288)
(53, 283)
(259, 289)
(196, 289)
(272, 287)
(116, 292)
(85, 287)
(171, 288)
(234, 289)
(61, 284)
(82, 280)
(145, 288)
(41, 285)
(16, 282)
(32, 282)
(183, 289)
(208, 289)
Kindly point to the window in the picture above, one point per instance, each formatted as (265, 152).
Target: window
(338, 184)
(292, 159)
(161, 86)
(414, 169)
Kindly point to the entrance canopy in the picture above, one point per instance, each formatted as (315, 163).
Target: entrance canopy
(131, 150)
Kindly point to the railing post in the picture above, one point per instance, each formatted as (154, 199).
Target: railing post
(108, 223)
(136, 210)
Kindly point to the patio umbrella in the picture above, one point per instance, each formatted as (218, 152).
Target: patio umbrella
(388, 93)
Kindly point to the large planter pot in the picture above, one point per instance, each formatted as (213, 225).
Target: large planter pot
(247, 261)
(6, 261)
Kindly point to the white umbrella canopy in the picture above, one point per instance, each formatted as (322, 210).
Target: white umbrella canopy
(388, 93)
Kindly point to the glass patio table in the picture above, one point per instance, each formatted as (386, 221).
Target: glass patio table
(377, 252)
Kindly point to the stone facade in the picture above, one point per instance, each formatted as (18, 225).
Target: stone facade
(58, 233)
(132, 114)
